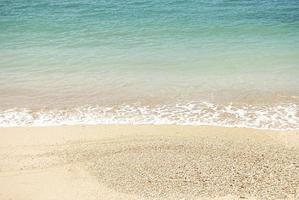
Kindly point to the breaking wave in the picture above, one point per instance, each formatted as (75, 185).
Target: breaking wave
(277, 117)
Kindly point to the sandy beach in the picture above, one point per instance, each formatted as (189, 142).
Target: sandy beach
(149, 100)
(147, 162)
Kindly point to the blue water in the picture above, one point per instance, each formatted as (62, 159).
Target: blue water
(66, 55)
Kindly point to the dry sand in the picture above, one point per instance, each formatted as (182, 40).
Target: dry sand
(147, 162)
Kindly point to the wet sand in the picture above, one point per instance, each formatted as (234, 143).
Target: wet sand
(148, 162)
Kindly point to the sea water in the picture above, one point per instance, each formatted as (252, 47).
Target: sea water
(197, 62)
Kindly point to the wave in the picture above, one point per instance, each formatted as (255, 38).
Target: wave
(275, 117)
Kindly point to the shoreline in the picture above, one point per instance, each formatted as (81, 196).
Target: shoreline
(148, 162)
(273, 117)
(287, 130)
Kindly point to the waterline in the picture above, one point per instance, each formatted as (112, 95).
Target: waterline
(278, 117)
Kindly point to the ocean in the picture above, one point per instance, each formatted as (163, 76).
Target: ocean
(190, 62)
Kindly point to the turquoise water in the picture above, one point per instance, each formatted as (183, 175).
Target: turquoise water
(162, 59)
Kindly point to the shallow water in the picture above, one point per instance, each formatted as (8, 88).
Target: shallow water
(58, 57)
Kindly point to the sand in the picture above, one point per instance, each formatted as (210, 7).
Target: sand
(147, 162)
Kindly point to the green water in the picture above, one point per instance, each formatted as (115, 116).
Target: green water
(65, 54)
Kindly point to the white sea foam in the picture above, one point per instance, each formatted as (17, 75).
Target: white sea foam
(278, 117)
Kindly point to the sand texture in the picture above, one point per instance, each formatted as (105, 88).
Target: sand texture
(147, 162)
